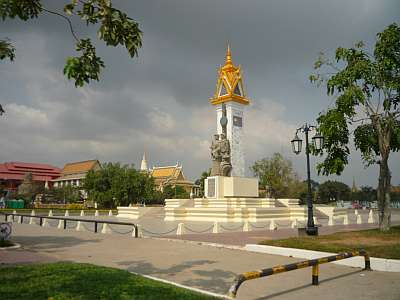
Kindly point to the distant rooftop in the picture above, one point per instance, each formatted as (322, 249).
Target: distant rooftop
(17, 171)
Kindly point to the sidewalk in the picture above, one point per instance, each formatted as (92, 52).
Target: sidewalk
(242, 238)
(205, 267)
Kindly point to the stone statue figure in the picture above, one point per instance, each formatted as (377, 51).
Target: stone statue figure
(226, 166)
(221, 150)
(221, 156)
(216, 156)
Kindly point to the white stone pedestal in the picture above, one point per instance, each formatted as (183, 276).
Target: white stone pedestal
(217, 187)
(129, 212)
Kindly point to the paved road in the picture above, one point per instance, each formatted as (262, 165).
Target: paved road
(199, 266)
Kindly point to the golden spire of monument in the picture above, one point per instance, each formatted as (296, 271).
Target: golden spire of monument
(228, 55)
(229, 85)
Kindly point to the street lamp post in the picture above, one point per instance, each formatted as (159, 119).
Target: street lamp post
(318, 141)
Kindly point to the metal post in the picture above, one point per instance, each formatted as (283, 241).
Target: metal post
(5, 217)
(41, 221)
(311, 228)
(22, 219)
(315, 273)
(136, 231)
(65, 223)
(367, 262)
(95, 227)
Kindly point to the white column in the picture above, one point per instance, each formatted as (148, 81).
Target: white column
(371, 217)
(234, 135)
(181, 229)
(215, 228)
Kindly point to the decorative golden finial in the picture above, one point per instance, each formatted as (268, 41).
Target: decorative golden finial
(229, 85)
(228, 55)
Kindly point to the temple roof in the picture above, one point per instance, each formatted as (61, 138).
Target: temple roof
(17, 171)
(169, 171)
(229, 85)
(80, 167)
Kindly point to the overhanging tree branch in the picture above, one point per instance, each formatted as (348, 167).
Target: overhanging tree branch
(65, 18)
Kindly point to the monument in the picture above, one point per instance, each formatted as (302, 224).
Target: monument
(227, 149)
(230, 102)
(229, 195)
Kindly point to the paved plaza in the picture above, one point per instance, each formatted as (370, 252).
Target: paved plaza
(153, 225)
(195, 265)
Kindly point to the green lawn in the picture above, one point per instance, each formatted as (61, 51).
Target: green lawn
(375, 242)
(83, 281)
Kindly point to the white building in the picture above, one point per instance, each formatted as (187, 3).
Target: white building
(74, 173)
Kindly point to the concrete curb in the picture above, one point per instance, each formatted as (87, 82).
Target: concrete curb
(16, 246)
(209, 244)
(220, 296)
(377, 264)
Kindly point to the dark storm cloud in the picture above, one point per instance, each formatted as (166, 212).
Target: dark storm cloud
(160, 99)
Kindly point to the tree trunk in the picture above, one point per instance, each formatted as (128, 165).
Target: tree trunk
(383, 128)
(384, 194)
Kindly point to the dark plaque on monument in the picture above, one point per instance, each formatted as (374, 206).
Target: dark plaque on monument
(211, 187)
(237, 121)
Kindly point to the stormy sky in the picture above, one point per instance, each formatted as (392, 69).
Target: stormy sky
(159, 101)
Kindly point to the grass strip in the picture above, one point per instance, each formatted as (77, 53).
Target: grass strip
(58, 281)
(375, 242)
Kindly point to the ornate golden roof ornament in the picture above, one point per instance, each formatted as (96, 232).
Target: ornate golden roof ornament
(229, 85)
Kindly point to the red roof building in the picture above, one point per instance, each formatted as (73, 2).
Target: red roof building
(12, 173)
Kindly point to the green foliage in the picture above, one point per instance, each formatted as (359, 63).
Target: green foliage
(366, 193)
(23, 9)
(64, 194)
(115, 185)
(174, 192)
(118, 29)
(277, 174)
(115, 28)
(333, 191)
(201, 180)
(366, 140)
(85, 67)
(7, 50)
(299, 190)
(29, 188)
(367, 89)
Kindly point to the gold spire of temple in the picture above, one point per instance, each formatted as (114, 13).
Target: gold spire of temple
(229, 84)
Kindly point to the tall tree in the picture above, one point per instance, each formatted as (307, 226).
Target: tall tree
(201, 180)
(277, 174)
(174, 192)
(364, 194)
(114, 185)
(366, 88)
(115, 28)
(333, 191)
(28, 189)
(64, 194)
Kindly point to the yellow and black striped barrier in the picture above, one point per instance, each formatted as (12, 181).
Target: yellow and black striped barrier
(314, 263)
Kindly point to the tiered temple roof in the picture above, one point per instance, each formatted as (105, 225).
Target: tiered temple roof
(17, 171)
(170, 175)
